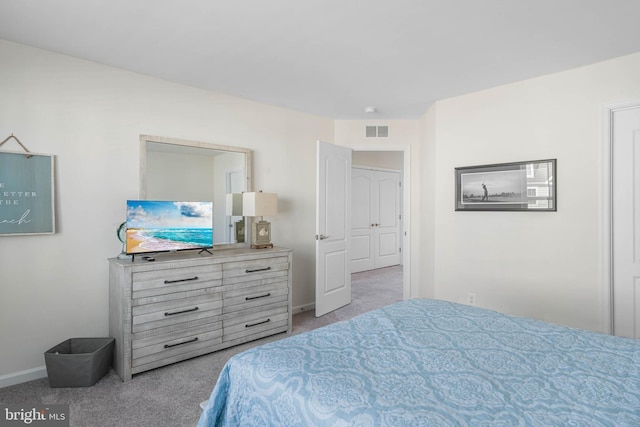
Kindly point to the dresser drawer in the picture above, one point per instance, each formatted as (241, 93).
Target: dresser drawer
(171, 280)
(253, 270)
(171, 346)
(242, 325)
(255, 294)
(171, 312)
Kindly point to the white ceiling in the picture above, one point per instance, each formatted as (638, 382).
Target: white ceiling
(332, 57)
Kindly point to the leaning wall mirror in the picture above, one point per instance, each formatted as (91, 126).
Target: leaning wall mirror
(181, 170)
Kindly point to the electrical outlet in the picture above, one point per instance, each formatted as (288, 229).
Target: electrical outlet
(471, 299)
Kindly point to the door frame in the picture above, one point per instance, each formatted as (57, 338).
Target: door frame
(606, 233)
(406, 206)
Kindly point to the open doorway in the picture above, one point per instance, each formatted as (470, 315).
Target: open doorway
(377, 239)
(333, 223)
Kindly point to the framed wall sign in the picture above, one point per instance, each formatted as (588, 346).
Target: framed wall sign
(26, 194)
(520, 186)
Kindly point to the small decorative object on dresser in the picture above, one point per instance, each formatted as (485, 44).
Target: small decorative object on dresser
(185, 305)
(260, 204)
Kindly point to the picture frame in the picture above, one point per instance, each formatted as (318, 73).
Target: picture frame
(27, 193)
(518, 186)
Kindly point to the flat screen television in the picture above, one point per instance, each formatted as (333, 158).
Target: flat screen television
(162, 226)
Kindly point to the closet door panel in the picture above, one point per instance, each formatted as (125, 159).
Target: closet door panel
(361, 220)
(387, 231)
(376, 219)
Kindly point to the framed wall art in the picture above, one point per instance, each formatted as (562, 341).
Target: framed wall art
(519, 186)
(26, 194)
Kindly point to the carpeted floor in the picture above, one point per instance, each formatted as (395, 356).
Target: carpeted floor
(170, 396)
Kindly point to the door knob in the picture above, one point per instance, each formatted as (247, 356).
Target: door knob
(321, 237)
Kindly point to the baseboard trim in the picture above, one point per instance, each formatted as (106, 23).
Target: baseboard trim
(304, 307)
(23, 376)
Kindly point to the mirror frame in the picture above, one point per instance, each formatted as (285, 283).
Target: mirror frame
(248, 163)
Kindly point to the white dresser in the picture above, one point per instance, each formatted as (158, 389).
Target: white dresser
(184, 305)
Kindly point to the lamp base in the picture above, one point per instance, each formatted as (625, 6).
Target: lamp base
(261, 236)
(263, 246)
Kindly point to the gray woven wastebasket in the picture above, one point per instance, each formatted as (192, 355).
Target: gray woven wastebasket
(79, 362)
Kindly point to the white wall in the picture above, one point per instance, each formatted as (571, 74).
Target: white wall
(90, 117)
(379, 159)
(427, 207)
(543, 265)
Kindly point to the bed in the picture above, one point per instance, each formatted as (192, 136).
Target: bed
(424, 362)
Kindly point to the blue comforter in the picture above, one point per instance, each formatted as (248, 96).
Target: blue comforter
(432, 363)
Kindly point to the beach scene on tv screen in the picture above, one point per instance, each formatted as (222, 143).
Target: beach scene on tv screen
(159, 226)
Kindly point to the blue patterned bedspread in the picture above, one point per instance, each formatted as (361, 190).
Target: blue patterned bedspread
(432, 363)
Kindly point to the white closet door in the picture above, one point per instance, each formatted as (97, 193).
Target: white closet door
(376, 223)
(362, 220)
(387, 229)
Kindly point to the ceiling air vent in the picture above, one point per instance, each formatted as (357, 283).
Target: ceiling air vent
(376, 131)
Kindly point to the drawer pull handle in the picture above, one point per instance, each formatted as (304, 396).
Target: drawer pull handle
(166, 282)
(258, 269)
(248, 325)
(180, 312)
(258, 297)
(180, 343)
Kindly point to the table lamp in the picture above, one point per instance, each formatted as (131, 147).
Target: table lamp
(260, 204)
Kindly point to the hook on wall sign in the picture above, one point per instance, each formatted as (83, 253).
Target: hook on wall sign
(12, 136)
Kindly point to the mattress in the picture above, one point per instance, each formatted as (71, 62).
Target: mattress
(424, 362)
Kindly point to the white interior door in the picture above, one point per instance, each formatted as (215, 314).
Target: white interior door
(333, 227)
(387, 224)
(362, 224)
(626, 222)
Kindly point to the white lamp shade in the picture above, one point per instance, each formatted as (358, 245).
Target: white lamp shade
(234, 204)
(259, 204)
